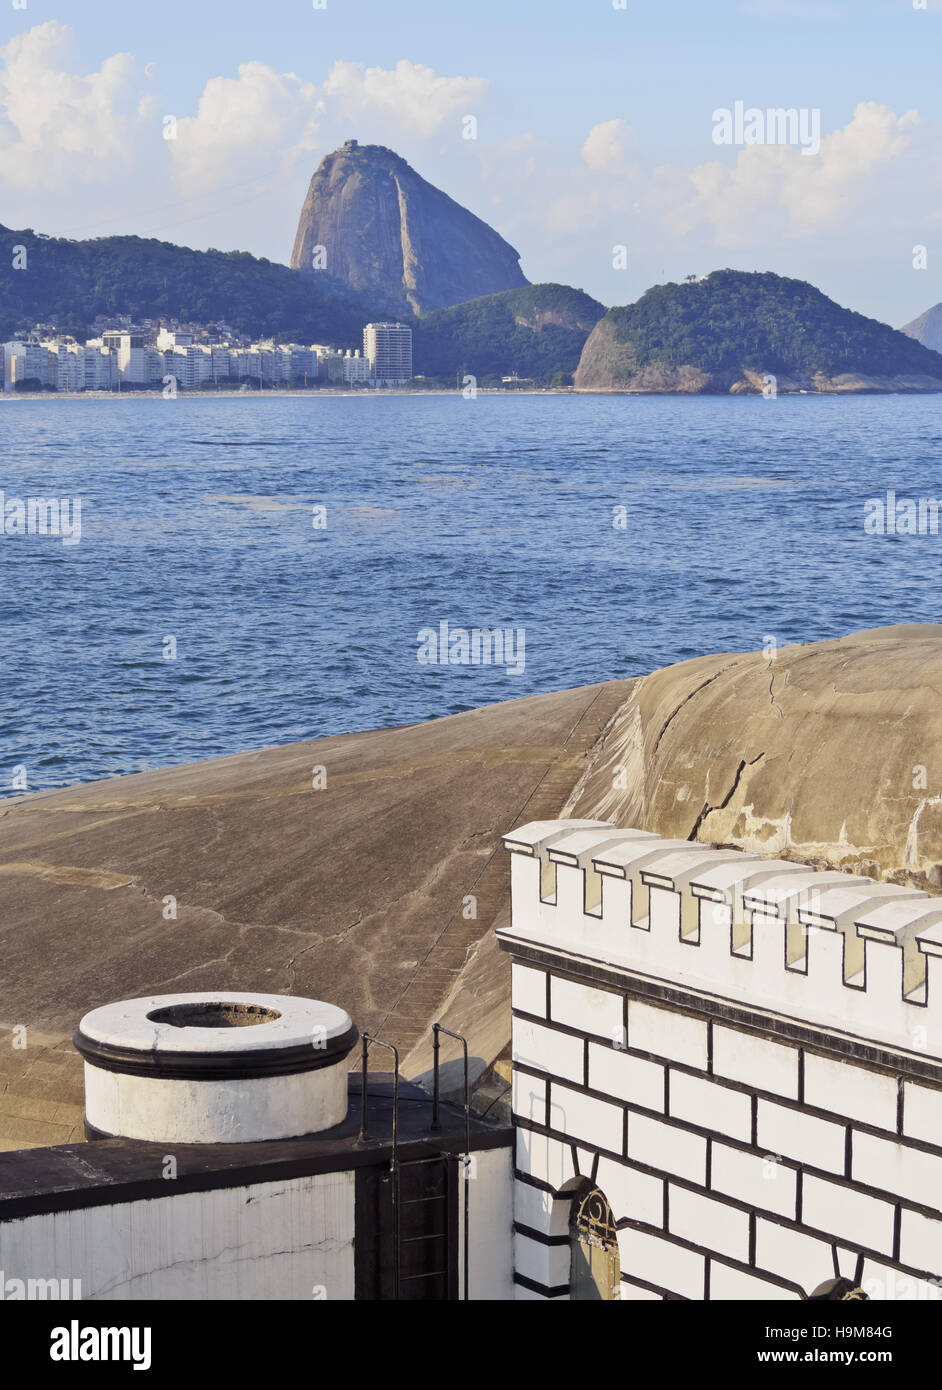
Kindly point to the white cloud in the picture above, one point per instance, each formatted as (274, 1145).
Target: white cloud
(249, 120)
(57, 127)
(777, 189)
(410, 95)
(262, 117)
(607, 147)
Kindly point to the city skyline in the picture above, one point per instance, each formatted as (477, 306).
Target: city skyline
(153, 355)
(592, 127)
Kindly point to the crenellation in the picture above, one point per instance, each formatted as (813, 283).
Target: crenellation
(673, 871)
(900, 922)
(836, 950)
(737, 1059)
(577, 851)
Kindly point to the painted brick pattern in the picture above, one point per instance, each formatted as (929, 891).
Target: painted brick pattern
(737, 1165)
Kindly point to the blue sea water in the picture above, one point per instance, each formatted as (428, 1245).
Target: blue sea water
(743, 521)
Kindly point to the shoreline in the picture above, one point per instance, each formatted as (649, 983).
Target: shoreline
(270, 395)
(34, 396)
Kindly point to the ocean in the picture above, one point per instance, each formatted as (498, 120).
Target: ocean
(254, 571)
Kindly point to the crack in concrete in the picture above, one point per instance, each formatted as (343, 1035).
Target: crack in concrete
(685, 701)
(721, 806)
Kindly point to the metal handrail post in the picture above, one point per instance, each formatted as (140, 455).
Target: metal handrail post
(436, 1124)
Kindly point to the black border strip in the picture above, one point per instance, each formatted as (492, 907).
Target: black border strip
(541, 1236)
(829, 1042)
(215, 1066)
(525, 1282)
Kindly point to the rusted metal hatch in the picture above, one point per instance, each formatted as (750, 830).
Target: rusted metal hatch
(595, 1268)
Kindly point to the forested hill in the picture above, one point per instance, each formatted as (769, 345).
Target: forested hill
(537, 331)
(734, 322)
(76, 280)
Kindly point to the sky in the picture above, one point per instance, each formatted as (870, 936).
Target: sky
(584, 131)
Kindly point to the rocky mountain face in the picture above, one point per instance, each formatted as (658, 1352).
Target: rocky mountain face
(927, 329)
(742, 333)
(372, 222)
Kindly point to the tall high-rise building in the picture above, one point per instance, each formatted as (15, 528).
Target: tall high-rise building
(388, 349)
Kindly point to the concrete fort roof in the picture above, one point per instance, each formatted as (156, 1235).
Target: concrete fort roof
(357, 894)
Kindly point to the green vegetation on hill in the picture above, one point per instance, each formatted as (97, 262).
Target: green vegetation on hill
(537, 331)
(74, 281)
(733, 320)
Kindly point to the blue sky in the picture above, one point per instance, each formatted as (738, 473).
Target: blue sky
(594, 128)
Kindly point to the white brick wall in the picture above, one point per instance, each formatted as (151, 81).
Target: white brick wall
(660, 1262)
(590, 1010)
(921, 1242)
(922, 1113)
(547, 1159)
(884, 1283)
(794, 1134)
(844, 1212)
(710, 1105)
(549, 1050)
(704, 1221)
(538, 1209)
(793, 1255)
(629, 1078)
(721, 1104)
(529, 1096)
(545, 1264)
(634, 1293)
(666, 1147)
(727, 1283)
(758, 1182)
(528, 990)
(593, 1121)
(852, 1091)
(667, 1033)
(897, 1169)
(758, 1062)
(632, 1195)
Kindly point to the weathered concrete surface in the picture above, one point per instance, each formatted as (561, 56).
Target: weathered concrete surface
(811, 756)
(354, 893)
(831, 753)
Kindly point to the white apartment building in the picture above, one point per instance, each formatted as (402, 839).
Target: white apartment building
(330, 364)
(127, 358)
(301, 363)
(101, 366)
(133, 367)
(388, 349)
(190, 365)
(67, 366)
(25, 361)
(169, 338)
(219, 358)
(244, 364)
(356, 369)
